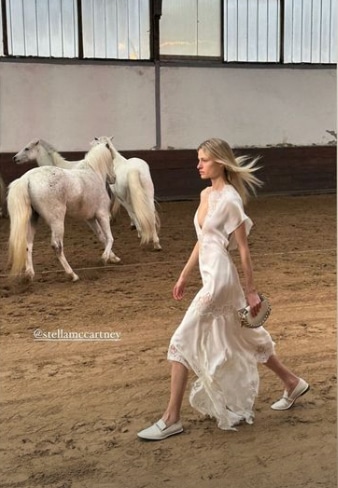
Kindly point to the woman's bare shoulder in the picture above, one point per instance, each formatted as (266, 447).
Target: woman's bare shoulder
(205, 192)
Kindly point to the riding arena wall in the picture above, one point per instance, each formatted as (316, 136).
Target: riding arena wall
(286, 115)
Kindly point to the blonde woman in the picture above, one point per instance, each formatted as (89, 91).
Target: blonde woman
(210, 340)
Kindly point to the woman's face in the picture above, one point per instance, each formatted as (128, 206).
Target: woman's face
(207, 167)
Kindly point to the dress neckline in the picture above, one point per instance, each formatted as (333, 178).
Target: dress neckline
(224, 187)
(216, 196)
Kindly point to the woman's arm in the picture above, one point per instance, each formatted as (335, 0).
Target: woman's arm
(178, 290)
(179, 287)
(250, 290)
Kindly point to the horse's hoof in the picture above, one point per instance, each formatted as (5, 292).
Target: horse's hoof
(157, 247)
(75, 278)
(29, 276)
(114, 259)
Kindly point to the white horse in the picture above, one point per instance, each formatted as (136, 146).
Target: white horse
(134, 189)
(44, 154)
(53, 193)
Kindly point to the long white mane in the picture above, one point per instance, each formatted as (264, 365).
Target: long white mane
(54, 155)
(48, 147)
(100, 159)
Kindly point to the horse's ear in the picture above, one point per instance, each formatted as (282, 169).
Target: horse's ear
(111, 138)
(36, 142)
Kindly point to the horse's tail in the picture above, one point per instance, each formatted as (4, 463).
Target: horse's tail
(112, 198)
(116, 207)
(143, 206)
(20, 212)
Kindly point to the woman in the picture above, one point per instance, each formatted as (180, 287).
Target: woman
(210, 340)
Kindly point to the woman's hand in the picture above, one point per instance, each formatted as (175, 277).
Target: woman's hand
(254, 302)
(178, 290)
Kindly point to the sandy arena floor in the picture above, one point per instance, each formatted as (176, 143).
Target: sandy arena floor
(70, 411)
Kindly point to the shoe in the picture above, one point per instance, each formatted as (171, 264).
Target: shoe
(159, 431)
(287, 401)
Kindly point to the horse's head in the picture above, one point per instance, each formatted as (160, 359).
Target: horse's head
(37, 150)
(105, 140)
(97, 140)
(28, 153)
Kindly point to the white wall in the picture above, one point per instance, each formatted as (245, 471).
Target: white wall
(68, 105)
(248, 107)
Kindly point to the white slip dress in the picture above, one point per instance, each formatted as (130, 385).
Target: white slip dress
(210, 340)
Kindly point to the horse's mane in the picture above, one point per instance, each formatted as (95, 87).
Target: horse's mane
(100, 159)
(48, 147)
(52, 153)
(56, 157)
(108, 140)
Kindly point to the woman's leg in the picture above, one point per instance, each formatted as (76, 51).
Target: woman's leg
(179, 378)
(170, 423)
(289, 379)
(294, 386)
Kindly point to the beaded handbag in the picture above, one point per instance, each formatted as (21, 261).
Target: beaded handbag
(247, 320)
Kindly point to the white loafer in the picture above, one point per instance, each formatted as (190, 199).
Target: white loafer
(159, 431)
(288, 400)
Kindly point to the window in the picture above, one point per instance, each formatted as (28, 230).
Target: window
(230, 31)
(310, 34)
(252, 30)
(42, 28)
(117, 29)
(191, 28)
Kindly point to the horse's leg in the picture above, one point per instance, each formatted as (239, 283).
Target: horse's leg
(133, 220)
(134, 224)
(156, 240)
(116, 207)
(149, 188)
(31, 229)
(57, 228)
(155, 223)
(103, 233)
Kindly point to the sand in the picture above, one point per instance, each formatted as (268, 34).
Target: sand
(70, 410)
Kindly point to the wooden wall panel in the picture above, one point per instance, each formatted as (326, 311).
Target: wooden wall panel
(289, 170)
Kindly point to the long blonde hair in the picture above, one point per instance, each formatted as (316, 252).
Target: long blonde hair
(239, 174)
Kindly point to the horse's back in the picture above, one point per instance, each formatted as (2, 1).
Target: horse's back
(45, 179)
(133, 164)
(138, 163)
(55, 192)
(55, 180)
(144, 171)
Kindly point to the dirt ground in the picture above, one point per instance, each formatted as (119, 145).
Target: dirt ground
(70, 410)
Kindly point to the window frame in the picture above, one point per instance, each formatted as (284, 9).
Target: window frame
(155, 11)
